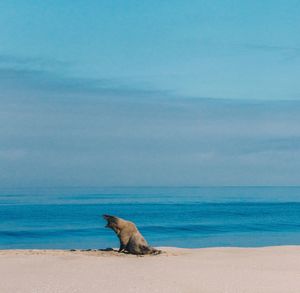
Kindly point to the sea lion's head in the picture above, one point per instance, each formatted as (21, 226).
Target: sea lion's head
(113, 223)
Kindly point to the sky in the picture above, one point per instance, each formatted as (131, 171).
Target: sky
(149, 93)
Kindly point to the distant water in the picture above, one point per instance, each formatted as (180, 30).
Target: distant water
(184, 217)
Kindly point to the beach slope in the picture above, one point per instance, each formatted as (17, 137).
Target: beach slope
(210, 270)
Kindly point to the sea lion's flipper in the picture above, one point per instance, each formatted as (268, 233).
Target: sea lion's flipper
(122, 247)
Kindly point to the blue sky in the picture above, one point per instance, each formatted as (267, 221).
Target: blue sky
(97, 93)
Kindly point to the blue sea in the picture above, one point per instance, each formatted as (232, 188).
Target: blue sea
(70, 218)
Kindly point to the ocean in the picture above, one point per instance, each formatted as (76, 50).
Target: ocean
(71, 218)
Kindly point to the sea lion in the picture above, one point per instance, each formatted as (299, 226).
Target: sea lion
(131, 240)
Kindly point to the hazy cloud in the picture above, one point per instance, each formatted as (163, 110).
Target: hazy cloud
(62, 131)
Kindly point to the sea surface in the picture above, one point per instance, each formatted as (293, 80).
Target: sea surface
(70, 218)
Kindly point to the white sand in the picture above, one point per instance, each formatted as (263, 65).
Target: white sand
(224, 270)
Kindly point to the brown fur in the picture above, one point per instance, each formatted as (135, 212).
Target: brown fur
(131, 240)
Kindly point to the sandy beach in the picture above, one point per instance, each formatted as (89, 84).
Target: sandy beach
(210, 270)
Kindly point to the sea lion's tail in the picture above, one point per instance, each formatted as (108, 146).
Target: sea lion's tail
(150, 250)
(156, 251)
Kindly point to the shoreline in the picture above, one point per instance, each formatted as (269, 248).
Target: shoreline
(114, 251)
(271, 269)
(167, 248)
